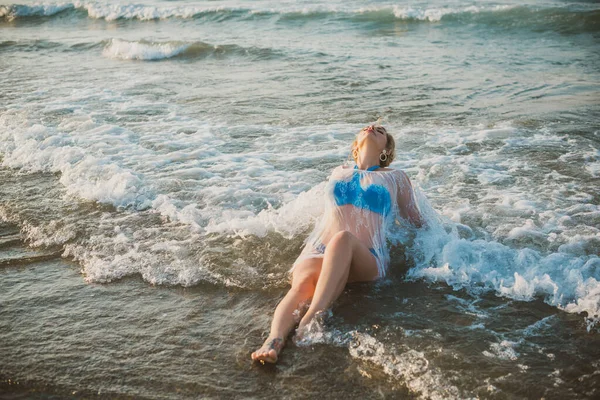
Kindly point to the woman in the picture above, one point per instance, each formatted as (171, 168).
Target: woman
(348, 244)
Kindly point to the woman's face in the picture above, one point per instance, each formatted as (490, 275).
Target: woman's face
(373, 133)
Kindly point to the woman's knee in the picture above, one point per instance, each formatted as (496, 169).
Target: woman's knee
(341, 238)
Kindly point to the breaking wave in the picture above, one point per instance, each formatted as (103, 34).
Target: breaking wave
(146, 50)
(569, 19)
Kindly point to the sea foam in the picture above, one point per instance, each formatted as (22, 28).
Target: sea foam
(127, 50)
(518, 245)
(14, 11)
(112, 12)
(565, 279)
(409, 367)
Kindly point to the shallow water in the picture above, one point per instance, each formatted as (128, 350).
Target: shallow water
(164, 161)
(72, 339)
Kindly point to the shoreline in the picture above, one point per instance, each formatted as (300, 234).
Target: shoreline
(74, 339)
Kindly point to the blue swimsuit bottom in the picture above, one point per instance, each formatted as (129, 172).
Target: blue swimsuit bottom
(321, 250)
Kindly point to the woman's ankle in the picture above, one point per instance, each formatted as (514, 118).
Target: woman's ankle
(276, 343)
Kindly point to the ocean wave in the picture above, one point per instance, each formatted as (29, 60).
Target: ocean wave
(257, 204)
(26, 45)
(549, 249)
(568, 279)
(147, 50)
(424, 14)
(112, 12)
(409, 367)
(17, 11)
(84, 175)
(570, 18)
(41, 45)
(88, 170)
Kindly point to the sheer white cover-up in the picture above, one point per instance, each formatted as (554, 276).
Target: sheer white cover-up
(365, 203)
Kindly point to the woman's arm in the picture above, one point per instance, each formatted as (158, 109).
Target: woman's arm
(407, 204)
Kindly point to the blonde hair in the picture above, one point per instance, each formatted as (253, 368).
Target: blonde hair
(390, 148)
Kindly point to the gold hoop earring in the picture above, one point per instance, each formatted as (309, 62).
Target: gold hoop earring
(384, 155)
(355, 154)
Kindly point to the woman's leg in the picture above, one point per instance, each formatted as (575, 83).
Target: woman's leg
(346, 259)
(304, 280)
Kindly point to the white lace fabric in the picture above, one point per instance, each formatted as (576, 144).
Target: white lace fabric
(370, 227)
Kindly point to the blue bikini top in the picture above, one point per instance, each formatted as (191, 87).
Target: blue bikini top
(375, 198)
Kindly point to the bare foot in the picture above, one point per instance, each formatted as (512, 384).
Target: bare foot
(269, 351)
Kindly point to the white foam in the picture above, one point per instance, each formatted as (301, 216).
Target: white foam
(436, 14)
(410, 367)
(235, 193)
(527, 233)
(427, 14)
(14, 11)
(39, 148)
(293, 217)
(142, 50)
(469, 307)
(491, 176)
(542, 324)
(112, 12)
(563, 280)
(520, 242)
(55, 232)
(505, 350)
(105, 258)
(592, 162)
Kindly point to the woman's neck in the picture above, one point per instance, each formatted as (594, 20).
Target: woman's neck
(367, 159)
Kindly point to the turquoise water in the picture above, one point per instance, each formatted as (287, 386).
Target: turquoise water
(174, 153)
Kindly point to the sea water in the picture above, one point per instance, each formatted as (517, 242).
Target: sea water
(175, 154)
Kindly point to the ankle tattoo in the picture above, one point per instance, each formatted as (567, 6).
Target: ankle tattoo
(276, 344)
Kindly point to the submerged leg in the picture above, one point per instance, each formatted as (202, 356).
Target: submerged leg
(346, 259)
(303, 286)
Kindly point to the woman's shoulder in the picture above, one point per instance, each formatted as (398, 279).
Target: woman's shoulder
(402, 180)
(336, 172)
(397, 177)
(400, 173)
(390, 170)
(394, 172)
(342, 167)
